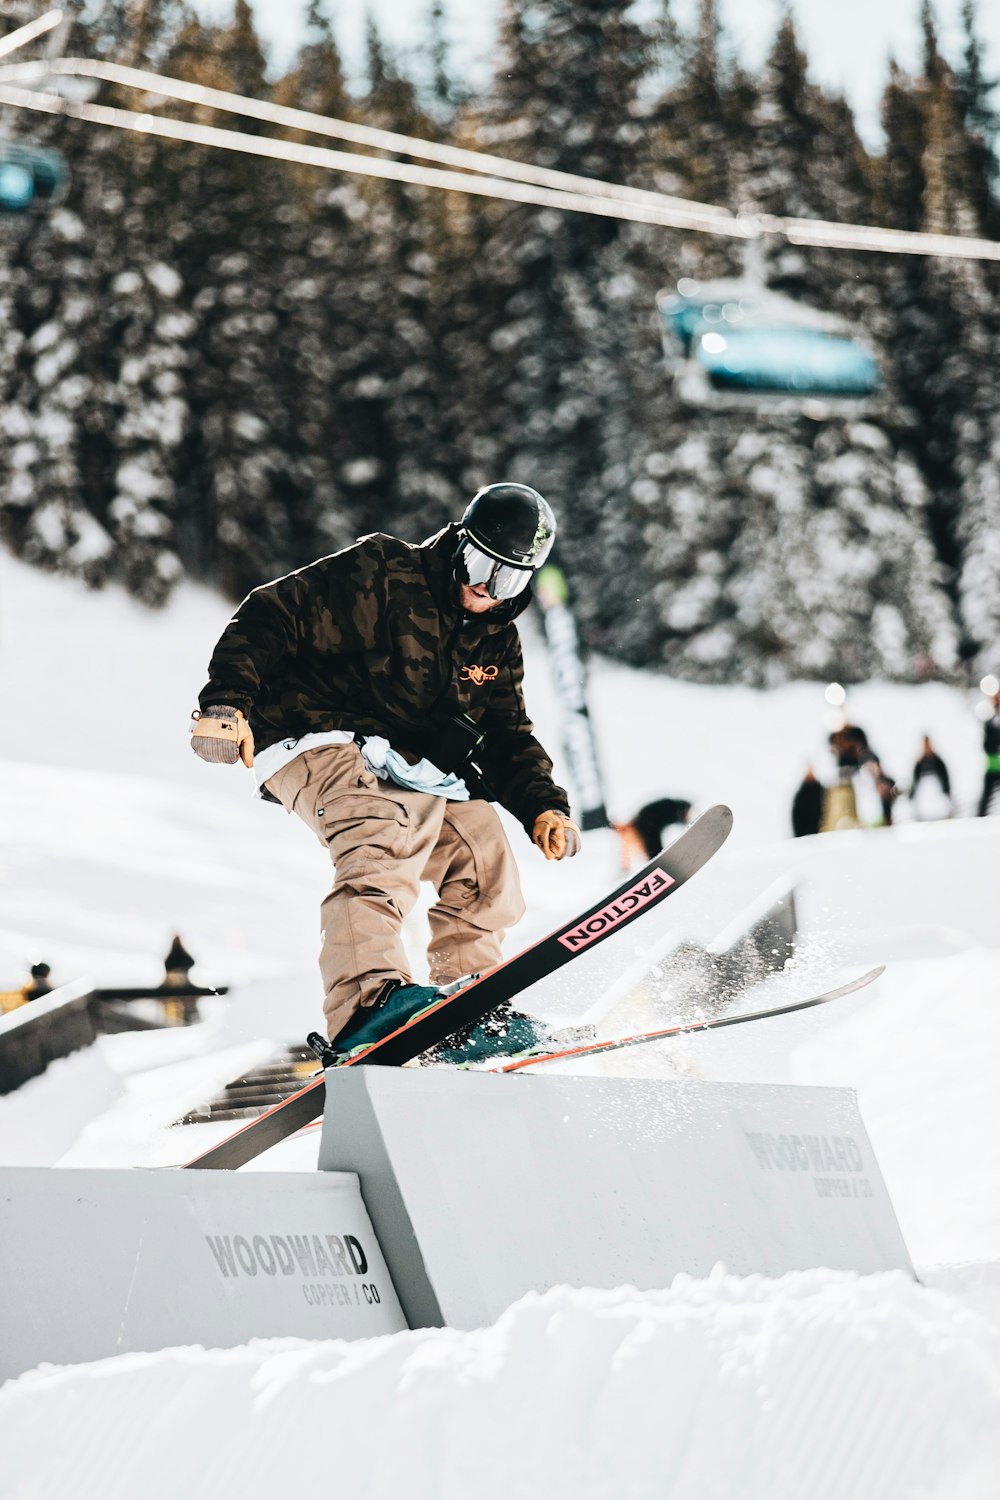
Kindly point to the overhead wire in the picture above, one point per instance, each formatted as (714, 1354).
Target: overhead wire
(29, 32)
(674, 217)
(492, 176)
(292, 118)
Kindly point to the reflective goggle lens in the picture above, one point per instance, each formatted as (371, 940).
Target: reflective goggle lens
(502, 580)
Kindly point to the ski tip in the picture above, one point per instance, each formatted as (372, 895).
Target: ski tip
(861, 983)
(718, 814)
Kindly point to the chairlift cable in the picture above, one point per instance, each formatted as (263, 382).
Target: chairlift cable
(347, 130)
(30, 32)
(511, 183)
(677, 217)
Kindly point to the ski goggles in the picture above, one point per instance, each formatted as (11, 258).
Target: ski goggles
(502, 580)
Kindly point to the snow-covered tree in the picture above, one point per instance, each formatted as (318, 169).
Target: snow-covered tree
(558, 322)
(224, 366)
(51, 417)
(944, 333)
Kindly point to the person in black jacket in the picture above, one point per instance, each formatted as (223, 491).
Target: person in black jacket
(930, 791)
(377, 694)
(855, 756)
(807, 806)
(991, 744)
(642, 837)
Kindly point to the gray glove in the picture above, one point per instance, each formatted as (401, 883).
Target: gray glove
(222, 735)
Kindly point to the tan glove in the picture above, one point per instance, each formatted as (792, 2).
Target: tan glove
(222, 736)
(557, 836)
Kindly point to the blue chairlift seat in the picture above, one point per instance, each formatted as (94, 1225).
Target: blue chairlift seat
(30, 176)
(740, 348)
(683, 319)
(800, 360)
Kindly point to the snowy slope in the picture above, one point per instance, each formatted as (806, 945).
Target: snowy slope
(100, 690)
(819, 1385)
(113, 836)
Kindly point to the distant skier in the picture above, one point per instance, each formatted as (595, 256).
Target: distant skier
(930, 791)
(807, 805)
(38, 981)
(991, 776)
(865, 793)
(177, 965)
(381, 687)
(35, 986)
(642, 837)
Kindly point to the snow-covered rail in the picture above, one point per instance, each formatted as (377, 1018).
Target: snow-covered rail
(482, 1187)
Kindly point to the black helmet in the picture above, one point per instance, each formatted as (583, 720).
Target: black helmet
(507, 532)
(512, 523)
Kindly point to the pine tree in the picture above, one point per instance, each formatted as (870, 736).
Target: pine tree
(980, 123)
(945, 332)
(225, 366)
(320, 250)
(804, 159)
(550, 347)
(702, 114)
(54, 266)
(149, 421)
(238, 490)
(794, 550)
(780, 545)
(147, 332)
(402, 420)
(242, 55)
(51, 296)
(445, 93)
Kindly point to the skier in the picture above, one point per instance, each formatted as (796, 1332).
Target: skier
(38, 981)
(178, 1010)
(865, 792)
(177, 965)
(643, 835)
(807, 805)
(991, 744)
(930, 793)
(35, 986)
(376, 693)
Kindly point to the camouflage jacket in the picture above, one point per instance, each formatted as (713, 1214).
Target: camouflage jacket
(373, 640)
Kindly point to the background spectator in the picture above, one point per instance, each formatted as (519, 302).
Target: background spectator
(858, 764)
(991, 744)
(807, 805)
(645, 834)
(930, 791)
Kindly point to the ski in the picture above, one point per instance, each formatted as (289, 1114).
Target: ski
(685, 1028)
(659, 878)
(637, 895)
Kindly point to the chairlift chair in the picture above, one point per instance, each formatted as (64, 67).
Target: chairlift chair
(728, 343)
(30, 177)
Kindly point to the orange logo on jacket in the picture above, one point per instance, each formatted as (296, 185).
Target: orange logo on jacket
(479, 675)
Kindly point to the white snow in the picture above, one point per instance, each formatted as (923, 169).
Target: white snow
(820, 1384)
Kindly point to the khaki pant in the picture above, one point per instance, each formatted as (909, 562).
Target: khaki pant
(383, 840)
(840, 808)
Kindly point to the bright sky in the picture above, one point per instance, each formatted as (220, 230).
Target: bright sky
(848, 43)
